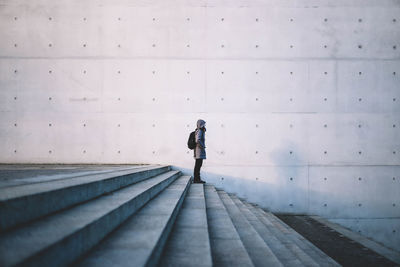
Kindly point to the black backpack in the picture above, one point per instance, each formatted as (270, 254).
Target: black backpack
(191, 143)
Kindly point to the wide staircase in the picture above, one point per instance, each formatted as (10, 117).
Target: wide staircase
(141, 216)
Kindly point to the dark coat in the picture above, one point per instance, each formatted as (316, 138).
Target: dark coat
(200, 149)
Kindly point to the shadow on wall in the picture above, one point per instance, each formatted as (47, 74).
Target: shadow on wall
(269, 196)
(285, 198)
(285, 188)
(281, 186)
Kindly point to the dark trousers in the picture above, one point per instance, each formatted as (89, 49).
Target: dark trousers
(197, 167)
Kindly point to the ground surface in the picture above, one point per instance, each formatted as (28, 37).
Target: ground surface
(340, 248)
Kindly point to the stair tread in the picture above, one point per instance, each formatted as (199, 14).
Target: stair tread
(189, 243)
(133, 243)
(11, 182)
(307, 245)
(226, 245)
(284, 236)
(299, 242)
(37, 236)
(24, 203)
(258, 250)
(24, 190)
(278, 248)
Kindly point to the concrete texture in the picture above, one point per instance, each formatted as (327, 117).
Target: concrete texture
(284, 255)
(163, 220)
(189, 243)
(33, 199)
(226, 245)
(59, 239)
(21, 174)
(141, 239)
(300, 243)
(366, 242)
(285, 237)
(307, 90)
(259, 251)
(343, 250)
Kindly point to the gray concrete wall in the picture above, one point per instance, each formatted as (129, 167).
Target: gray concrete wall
(301, 98)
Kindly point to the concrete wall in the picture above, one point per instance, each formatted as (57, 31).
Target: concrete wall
(301, 98)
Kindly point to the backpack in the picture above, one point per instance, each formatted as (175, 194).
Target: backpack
(191, 143)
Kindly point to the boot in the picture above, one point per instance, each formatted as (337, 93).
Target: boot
(197, 180)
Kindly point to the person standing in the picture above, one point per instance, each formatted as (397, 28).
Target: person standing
(199, 150)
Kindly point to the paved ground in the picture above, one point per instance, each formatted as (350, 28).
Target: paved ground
(340, 248)
(19, 174)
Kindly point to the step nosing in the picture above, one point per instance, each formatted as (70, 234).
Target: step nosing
(30, 204)
(219, 238)
(251, 238)
(157, 235)
(299, 247)
(63, 185)
(278, 246)
(76, 228)
(192, 243)
(68, 176)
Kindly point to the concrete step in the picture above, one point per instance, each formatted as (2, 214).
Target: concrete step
(284, 255)
(283, 236)
(26, 202)
(60, 238)
(227, 248)
(189, 243)
(20, 175)
(312, 251)
(258, 250)
(141, 239)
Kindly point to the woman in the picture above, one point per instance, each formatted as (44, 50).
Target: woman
(199, 150)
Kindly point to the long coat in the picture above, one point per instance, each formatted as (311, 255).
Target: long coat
(200, 149)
